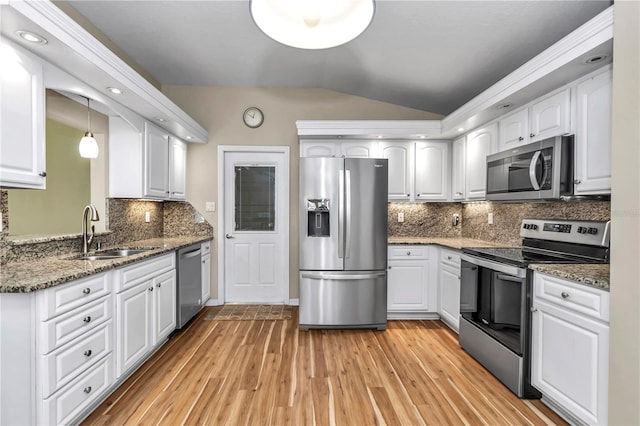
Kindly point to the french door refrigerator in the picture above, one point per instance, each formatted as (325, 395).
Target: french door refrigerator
(343, 243)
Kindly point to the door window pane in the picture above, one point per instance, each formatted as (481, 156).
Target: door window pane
(255, 198)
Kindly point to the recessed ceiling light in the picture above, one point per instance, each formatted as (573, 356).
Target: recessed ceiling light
(421, 136)
(32, 37)
(114, 90)
(595, 59)
(189, 137)
(461, 129)
(379, 136)
(160, 119)
(504, 105)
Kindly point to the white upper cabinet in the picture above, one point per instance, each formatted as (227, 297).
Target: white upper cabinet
(458, 169)
(551, 116)
(22, 119)
(432, 170)
(177, 168)
(361, 149)
(480, 143)
(514, 130)
(593, 135)
(156, 162)
(400, 156)
(317, 149)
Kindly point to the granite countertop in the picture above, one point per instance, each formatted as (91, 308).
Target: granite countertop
(448, 242)
(589, 274)
(25, 277)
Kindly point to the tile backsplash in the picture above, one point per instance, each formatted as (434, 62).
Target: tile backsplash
(424, 220)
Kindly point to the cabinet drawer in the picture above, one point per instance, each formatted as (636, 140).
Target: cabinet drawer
(450, 257)
(74, 398)
(70, 360)
(129, 276)
(579, 298)
(408, 252)
(63, 298)
(206, 248)
(67, 327)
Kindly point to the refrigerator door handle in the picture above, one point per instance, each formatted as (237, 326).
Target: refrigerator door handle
(341, 215)
(343, 277)
(347, 237)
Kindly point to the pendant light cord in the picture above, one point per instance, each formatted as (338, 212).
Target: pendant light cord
(89, 115)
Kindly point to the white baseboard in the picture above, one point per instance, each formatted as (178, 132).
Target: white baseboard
(294, 302)
(213, 302)
(412, 316)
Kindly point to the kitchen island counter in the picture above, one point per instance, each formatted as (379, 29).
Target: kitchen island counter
(25, 277)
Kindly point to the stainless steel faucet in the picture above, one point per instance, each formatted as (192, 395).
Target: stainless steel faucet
(86, 240)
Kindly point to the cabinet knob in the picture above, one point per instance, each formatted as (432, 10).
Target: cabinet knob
(417, 195)
(42, 174)
(389, 267)
(159, 285)
(88, 352)
(168, 192)
(87, 319)
(150, 288)
(203, 261)
(564, 295)
(520, 138)
(577, 181)
(448, 257)
(408, 253)
(408, 195)
(531, 135)
(458, 193)
(86, 290)
(534, 309)
(87, 389)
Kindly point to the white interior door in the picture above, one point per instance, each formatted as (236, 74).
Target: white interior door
(255, 227)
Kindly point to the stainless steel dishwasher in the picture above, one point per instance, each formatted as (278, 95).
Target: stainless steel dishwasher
(189, 297)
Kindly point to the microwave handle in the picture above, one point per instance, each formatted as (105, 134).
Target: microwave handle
(532, 170)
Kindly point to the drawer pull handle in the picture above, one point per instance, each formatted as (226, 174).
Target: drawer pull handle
(87, 318)
(150, 288)
(88, 352)
(159, 285)
(448, 257)
(564, 295)
(87, 389)
(86, 290)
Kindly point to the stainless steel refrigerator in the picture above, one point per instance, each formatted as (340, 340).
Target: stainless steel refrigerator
(343, 243)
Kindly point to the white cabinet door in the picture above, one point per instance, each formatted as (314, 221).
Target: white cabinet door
(458, 169)
(514, 130)
(593, 135)
(449, 279)
(551, 116)
(360, 149)
(156, 162)
(407, 285)
(570, 361)
(134, 325)
(480, 143)
(22, 119)
(432, 170)
(318, 149)
(177, 169)
(400, 156)
(206, 278)
(164, 305)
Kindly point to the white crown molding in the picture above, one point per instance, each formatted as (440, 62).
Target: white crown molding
(50, 18)
(589, 36)
(386, 128)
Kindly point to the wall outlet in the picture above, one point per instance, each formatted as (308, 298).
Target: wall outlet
(490, 218)
(210, 206)
(455, 219)
(400, 217)
(0, 222)
(147, 217)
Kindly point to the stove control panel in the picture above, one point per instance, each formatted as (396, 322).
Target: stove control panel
(570, 231)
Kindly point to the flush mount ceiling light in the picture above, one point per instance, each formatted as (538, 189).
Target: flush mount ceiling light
(88, 145)
(32, 37)
(114, 90)
(312, 24)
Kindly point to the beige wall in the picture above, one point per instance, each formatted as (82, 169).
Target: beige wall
(219, 110)
(624, 358)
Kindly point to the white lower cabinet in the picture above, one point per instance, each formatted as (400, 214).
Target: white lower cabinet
(145, 309)
(205, 249)
(449, 287)
(411, 289)
(570, 348)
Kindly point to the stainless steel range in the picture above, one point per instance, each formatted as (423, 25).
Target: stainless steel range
(496, 287)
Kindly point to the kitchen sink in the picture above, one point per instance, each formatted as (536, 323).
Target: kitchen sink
(111, 254)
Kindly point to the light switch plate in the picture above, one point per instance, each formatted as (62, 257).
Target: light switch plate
(147, 217)
(401, 217)
(210, 206)
(0, 222)
(490, 218)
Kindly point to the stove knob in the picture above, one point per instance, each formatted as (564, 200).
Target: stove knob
(534, 227)
(593, 231)
(527, 226)
(582, 230)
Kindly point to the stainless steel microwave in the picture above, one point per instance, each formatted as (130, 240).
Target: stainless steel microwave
(537, 171)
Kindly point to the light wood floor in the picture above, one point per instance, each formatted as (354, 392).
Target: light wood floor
(269, 373)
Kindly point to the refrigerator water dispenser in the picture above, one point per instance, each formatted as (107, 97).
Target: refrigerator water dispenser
(318, 217)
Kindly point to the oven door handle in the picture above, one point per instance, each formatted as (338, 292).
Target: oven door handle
(496, 266)
(504, 277)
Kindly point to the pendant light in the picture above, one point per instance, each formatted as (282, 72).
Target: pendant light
(312, 24)
(88, 145)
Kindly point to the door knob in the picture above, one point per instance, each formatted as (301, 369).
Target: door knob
(229, 236)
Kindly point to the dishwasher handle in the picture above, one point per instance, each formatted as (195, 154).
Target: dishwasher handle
(192, 253)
